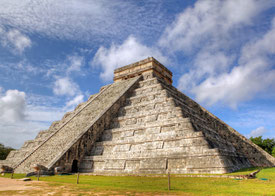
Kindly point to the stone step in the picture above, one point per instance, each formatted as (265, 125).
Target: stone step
(177, 152)
(167, 111)
(148, 100)
(151, 120)
(125, 111)
(157, 148)
(148, 97)
(181, 123)
(150, 81)
(179, 137)
(147, 89)
(176, 129)
(151, 105)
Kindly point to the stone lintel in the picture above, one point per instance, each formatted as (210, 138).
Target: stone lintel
(149, 65)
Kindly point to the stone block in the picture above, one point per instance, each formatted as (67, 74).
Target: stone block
(114, 164)
(122, 148)
(177, 164)
(132, 165)
(152, 164)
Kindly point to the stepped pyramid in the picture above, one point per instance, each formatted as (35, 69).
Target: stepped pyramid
(140, 124)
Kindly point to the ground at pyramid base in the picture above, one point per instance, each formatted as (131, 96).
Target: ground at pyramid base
(140, 124)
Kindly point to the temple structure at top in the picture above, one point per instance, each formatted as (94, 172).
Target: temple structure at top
(146, 66)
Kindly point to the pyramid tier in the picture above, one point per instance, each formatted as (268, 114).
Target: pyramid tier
(152, 135)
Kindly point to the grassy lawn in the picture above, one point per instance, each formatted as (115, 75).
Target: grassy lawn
(130, 185)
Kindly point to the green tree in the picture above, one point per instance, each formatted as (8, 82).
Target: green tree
(4, 151)
(266, 144)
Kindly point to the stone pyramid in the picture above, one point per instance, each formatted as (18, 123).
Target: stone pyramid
(140, 124)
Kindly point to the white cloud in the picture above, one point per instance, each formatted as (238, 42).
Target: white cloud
(119, 55)
(75, 101)
(254, 74)
(81, 20)
(43, 114)
(38, 118)
(75, 63)
(14, 40)
(205, 64)
(65, 86)
(12, 106)
(38, 115)
(15, 134)
(209, 22)
(208, 32)
(260, 131)
(22, 117)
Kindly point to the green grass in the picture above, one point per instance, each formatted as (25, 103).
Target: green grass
(179, 185)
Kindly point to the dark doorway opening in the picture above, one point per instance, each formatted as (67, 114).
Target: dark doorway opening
(74, 166)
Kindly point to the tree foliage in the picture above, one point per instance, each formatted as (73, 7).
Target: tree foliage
(266, 144)
(4, 151)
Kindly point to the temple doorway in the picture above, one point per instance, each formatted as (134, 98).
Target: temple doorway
(75, 166)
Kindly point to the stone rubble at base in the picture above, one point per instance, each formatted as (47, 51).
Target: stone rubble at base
(140, 124)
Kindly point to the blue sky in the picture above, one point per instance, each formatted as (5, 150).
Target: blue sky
(55, 54)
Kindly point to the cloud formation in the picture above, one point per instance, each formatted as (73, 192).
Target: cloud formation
(14, 40)
(80, 20)
(37, 118)
(131, 50)
(65, 86)
(209, 33)
(12, 106)
(260, 131)
(22, 117)
(253, 74)
(209, 22)
(75, 63)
